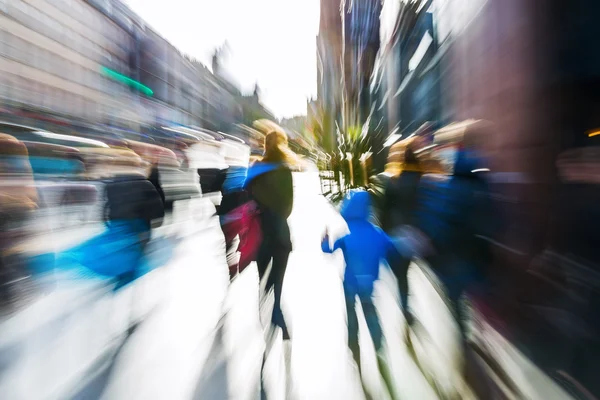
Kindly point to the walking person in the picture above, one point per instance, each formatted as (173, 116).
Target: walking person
(233, 196)
(18, 200)
(155, 180)
(398, 211)
(269, 184)
(457, 217)
(364, 248)
(133, 204)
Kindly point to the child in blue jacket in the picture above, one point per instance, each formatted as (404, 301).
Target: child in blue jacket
(364, 248)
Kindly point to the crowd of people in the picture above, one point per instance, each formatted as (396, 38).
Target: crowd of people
(441, 218)
(56, 173)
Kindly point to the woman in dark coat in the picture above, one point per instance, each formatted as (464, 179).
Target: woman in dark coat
(398, 210)
(269, 183)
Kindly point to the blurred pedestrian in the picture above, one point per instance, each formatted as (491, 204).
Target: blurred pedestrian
(398, 210)
(132, 204)
(155, 180)
(18, 200)
(456, 215)
(234, 196)
(269, 183)
(364, 248)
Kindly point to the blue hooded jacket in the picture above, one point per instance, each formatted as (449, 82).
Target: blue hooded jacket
(364, 247)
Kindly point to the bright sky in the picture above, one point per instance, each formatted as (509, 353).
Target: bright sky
(271, 42)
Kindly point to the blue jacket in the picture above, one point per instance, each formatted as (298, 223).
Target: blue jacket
(234, 179)
(364, 247)
(256, 170)
(452, 212)
(114, 252)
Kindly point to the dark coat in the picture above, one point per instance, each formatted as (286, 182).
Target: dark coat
(273, 190)
(455, 212)
(154, 178)
(133, 198)
(400, 201)
(211, 179)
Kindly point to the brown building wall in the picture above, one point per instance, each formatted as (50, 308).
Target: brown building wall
(494, 70)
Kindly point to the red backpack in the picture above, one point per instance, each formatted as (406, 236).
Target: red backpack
(245, 222)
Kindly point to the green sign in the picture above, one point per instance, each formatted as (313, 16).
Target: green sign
(127, 81)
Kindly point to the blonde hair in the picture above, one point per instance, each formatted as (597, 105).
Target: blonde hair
(402, 157)
(276, 142)
(277, 150)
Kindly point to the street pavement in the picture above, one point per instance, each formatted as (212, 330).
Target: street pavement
(199, 337)
(321, 365)
(316, 364)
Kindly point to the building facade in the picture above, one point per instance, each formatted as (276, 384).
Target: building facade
(51, 58)
(406, 85)
(329, 71)
(347, 45)
(532, 73)
(361, 45)
(98, 62)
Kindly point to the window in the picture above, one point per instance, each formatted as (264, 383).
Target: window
(419, 53)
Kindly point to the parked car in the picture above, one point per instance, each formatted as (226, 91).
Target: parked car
(31, 134)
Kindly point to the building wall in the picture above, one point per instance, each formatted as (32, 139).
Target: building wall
(406, 84)
(489, 62)
(51, 54)
(530, 68)
(361, 35)
(494, 71)
(171, 77)
(329, 70)
(51, 58)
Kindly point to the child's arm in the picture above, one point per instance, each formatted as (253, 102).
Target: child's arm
(327, 248)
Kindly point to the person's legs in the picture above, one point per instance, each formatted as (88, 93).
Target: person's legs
(350, 297)
(263, 258)
(455, 289)
(280, 260)
(400, 269)
(471, 369)
(233, 271)
(229, 234)
(372, 320)
(376, 332)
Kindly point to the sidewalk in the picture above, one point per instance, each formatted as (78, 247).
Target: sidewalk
(184, 348)
(320, 365)
(179, 353)
(66, 336)
(528, 379)
(164, 356)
